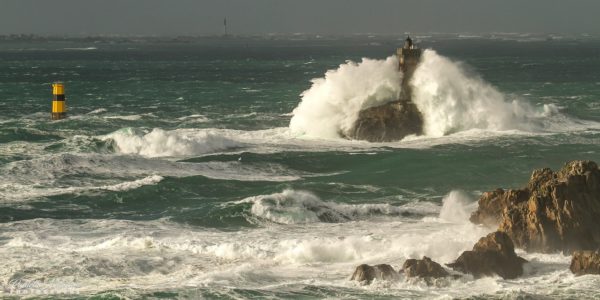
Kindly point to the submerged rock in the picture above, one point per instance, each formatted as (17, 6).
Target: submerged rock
(585, 262)
(557, 211)
(389, 122)
(366, 273)
(492, 254)
(423, 268)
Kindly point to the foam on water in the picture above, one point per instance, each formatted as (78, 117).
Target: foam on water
(159, 142)
(143, 256)
(451, 100)
(51, 174)
(297, 207)
(332, 103)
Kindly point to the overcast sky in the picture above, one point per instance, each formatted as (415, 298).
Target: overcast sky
(193, 17)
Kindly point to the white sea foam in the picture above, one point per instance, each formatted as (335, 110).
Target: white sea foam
(195, 118)
(137, 256)
(457, 207)
(97, 111)
(126, 118)
(451, 100)
(297, 207)
(115, 254)
(159, 142)
(51, 174)
(332, 103)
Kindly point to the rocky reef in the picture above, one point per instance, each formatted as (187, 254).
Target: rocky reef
(366, 273)
(585, 262)
(492, 254)
(556, 211)
(389, 122)
(423, 268)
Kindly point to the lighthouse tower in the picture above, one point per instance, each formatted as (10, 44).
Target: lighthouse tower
(408, 56)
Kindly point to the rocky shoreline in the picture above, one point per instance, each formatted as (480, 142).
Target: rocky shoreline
(556, 212)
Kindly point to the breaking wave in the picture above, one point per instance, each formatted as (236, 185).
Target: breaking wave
(332, 103)
(160, 143)
(297, 207)
(450, 99)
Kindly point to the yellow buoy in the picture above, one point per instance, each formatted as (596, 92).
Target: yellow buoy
(59, 106)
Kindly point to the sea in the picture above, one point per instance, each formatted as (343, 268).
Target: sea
(214, 167)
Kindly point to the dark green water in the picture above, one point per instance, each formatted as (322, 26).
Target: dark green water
(176, 174)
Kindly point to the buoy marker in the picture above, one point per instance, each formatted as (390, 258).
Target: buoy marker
(59, 105)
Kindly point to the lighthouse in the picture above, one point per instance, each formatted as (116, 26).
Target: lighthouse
(408, 56)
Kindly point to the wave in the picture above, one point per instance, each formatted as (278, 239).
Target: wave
(298, 207)
(114, 255)
(13, 191)
(159, 142)
(451, 100)
(81, 48)
(68, 173)
(332, 103)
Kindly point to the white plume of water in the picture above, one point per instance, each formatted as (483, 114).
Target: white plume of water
(452, 100)
(332, 103)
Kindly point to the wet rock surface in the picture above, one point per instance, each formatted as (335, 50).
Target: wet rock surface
(423, 268)
(366, 273)
(493, 254)
(389, 122)
(585, 262)
(557, 211)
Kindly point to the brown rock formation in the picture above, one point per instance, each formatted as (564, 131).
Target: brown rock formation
(423, 268)
(585, 262)
(366, 273)
(394, 120)
(492, 254)
(389, 122)
(557, 211)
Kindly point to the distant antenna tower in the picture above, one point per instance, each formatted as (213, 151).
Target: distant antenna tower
(225, 25)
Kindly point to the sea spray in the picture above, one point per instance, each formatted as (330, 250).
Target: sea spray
(332, 103)
(457, 206)
(299, 207)
(450, 99)
(159, 142)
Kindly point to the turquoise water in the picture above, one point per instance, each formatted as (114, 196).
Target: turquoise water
(176, 174)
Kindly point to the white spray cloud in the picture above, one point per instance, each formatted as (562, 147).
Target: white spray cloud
(457, 207)
(450, 99)
(332, 103)
(453, 101)
(159, 142)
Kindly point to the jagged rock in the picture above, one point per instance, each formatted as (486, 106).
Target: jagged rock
(366, 273)
(423, 268)
(389, 122)
(585, 262)
(492, 254)
(557, 211)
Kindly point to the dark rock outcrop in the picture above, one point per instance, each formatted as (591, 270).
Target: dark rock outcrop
(397, 119)
(557, 211)
(366, 273)
(389, 122)
(492, 254)
(585, 262)
(423, 268)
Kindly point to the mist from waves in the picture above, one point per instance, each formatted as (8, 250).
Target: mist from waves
(450, 98)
